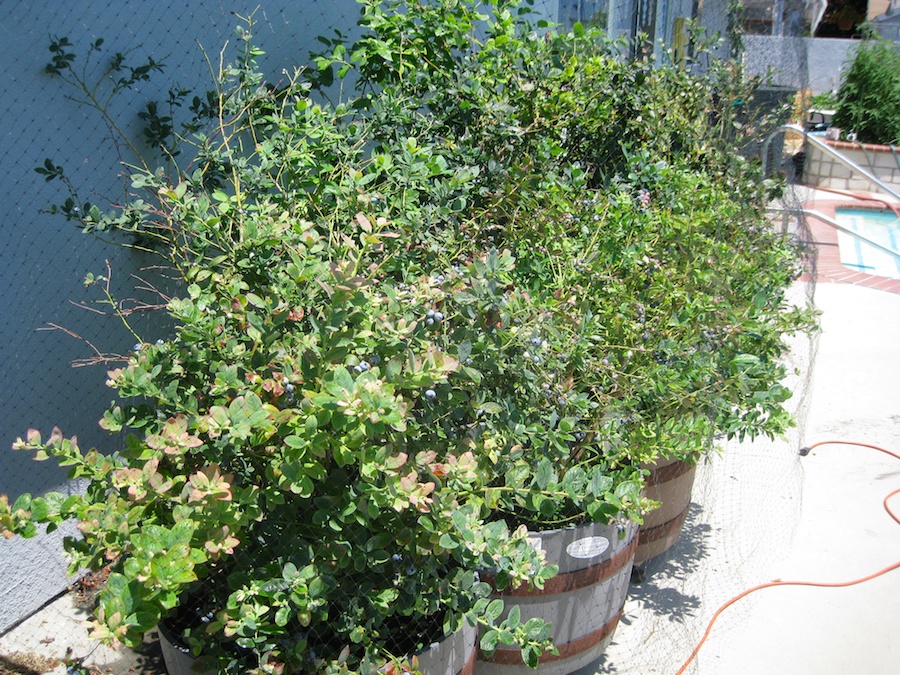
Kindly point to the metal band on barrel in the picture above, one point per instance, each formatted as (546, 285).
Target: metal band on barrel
(572, 581)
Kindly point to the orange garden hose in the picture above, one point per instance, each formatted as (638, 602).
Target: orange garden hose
(771, 584)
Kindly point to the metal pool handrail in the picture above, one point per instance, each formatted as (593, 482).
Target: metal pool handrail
(850, 164)
(825, 219)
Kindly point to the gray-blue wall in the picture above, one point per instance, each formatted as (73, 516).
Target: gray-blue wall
(44, 259)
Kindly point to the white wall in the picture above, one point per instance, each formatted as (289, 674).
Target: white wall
(44, 259)
(822, 170)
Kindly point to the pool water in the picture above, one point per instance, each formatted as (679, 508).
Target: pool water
(880, 226)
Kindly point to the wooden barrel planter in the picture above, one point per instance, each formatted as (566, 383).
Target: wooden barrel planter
(178, 659)
(583, 602)
(670, 482)
(455, 655)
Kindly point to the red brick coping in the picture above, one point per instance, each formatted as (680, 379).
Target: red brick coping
(868, 147)
(825, 239)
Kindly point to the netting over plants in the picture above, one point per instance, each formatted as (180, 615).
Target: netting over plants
(380, 293)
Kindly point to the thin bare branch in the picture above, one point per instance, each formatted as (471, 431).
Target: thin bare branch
(99, 357)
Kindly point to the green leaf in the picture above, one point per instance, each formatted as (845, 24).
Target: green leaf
(744, 360)
(176, 567)
(531, 655)
(489, 641)
(341, 382)
(23, 503)
(282, 616)
(514, 618)
(40, 510)
(537, 629)
(379, 541)
(600, 483)
(255, 300)
(289, 572)
(494, 610)
(181, 533)
(545, 474)
(464, 351)
(29, 530)
(317, 587)
(144, 618)
(566, 424)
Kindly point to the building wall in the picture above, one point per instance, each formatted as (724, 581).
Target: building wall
(800, 63)
(877, 7)
(45, 259)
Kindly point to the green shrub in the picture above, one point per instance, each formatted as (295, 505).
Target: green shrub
(869, 97)
(474, 292)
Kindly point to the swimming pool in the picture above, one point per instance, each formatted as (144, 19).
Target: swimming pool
(880, 226)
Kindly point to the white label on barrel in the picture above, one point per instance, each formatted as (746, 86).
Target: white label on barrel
(589, 547)
(536, 543)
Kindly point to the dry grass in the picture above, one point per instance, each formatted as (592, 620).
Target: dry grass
(792, 144)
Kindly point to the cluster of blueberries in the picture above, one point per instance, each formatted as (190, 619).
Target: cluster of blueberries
(364, 366)
(432, 317)
(540, 344)
(139, 346)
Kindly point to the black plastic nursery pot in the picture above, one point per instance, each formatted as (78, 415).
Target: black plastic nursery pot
(670, 483)
(583, 602)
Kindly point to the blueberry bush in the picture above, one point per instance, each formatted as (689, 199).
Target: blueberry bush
(464, 300)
